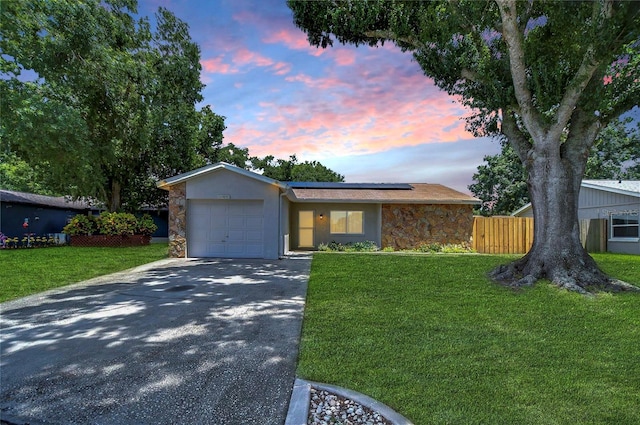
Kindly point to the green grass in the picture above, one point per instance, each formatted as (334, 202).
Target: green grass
(431, 337)
(28, 271)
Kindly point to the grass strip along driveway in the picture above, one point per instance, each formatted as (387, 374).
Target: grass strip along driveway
(28, 271)
(431, 337)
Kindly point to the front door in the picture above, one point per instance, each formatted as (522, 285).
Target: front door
(305, 229)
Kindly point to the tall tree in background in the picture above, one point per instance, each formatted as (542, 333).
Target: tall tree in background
(616, 153)
(98, 100)
(548, 75)
(15, 174)
(501, 183)
(293, 171)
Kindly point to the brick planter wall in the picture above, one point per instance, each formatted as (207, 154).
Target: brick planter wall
(407, 226)
(110, 240)
(178, 220)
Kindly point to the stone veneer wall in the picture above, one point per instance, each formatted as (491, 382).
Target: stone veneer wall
(407, 226)
(178, 220)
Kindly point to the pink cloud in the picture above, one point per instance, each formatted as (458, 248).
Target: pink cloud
(294, 39)
(245, 57)
(282, 68)
(217, 66)
(345, 57)
(365, 108)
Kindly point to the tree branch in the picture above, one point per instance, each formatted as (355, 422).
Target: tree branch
(515, 41)
(519, 141)
(390, 35)
(581, 79)
(582, 134)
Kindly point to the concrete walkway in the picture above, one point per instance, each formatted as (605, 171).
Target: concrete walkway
(179, 341)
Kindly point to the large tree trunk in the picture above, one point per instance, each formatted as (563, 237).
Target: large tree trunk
(114, 201)
(554, 177)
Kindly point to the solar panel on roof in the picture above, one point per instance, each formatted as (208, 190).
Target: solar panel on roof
(339, 185)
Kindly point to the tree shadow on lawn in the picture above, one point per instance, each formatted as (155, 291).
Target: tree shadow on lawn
(196, 341)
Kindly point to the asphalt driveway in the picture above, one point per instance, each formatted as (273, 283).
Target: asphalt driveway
(180, 341)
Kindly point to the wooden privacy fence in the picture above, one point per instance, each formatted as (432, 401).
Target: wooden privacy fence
(593, 234)
(514, 235)
(502, 235)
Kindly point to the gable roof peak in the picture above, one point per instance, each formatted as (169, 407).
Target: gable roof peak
(198, 172)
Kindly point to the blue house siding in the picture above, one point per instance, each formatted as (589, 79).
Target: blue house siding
(161, 219)
(42, 219)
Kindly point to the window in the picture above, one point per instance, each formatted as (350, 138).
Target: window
(347, 222)
(625, 225)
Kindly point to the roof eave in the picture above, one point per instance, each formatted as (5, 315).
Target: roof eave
(166, 184)
(383, 201)
(610, 189)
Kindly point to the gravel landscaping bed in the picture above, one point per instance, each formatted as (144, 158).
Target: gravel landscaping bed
(326, 408)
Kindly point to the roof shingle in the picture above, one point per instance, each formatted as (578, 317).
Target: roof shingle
(48, 201)
(419, 193)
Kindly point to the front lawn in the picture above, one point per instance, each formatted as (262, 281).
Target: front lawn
(431, 337)
(28, 271)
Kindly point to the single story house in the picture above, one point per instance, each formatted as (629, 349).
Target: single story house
(221, 210)
(616, 201)
(43, 214)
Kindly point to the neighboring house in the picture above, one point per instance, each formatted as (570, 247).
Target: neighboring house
(44, 214)
(224, 211)
(49, 214)
(618, 202)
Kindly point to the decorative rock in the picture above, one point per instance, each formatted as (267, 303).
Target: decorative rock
(406, 226)
(327, 408)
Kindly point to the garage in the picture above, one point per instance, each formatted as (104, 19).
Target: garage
(225, 228)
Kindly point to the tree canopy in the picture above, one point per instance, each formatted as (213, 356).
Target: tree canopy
(100, 101)
(547, 75)
(501, 182)
(292, 170)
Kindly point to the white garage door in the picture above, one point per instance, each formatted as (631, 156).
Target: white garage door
(224, 228)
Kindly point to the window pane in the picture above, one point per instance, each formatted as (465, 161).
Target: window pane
(625, 232)
(624, 219)
(354, 222)
(624, 226)
(338, 222)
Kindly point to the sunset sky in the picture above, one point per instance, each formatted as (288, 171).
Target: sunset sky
(367, 113)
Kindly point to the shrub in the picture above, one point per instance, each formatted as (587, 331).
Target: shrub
(323, 247)
(108, 223)
(456, 248)
(430, 247)
(366, 246)
(117, 224)
(446, 248)
(81, 225)
(146, 226)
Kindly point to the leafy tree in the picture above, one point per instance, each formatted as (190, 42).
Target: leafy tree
(97, 99)
(615, 153)
(210, 147)
(292, 170)
(15, 174)
(501, 183)
(546, 75)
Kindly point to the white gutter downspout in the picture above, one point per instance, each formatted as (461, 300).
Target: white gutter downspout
(280, 228)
